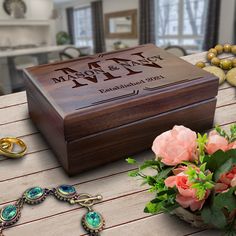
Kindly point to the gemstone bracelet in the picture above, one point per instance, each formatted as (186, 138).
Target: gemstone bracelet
(92, 221)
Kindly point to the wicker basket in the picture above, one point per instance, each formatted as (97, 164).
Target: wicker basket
(191, 218)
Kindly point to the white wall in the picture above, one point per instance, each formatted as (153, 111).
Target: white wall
(36, 9)
(19, 35)
(227, 21)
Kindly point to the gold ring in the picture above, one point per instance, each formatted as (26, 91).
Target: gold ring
(6, 146)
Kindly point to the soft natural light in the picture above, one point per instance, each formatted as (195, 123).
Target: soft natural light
(83, 27)
(180, 22)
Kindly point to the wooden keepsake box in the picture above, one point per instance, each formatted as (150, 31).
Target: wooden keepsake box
(97, 109)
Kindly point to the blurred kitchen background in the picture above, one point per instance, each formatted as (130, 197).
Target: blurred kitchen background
(34, 32)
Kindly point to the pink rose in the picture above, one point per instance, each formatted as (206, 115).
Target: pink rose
(175, 146)
(229, 178)
(221, 187)
(216, 142)
(179, 170)
(186, 196)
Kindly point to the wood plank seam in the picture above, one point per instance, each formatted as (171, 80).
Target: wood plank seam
(33, 173)
(29, 153)
(226, 105)
(84, 182)
(220, 89)
(229, 123)
(11, 122)
(199, 231)
(128, 222)
(14, 105)
(27, 135)
(78, 208)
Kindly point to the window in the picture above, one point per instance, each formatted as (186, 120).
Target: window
(181, 22)
(83, 27)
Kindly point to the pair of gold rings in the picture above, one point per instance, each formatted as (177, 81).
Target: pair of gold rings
(12, 147)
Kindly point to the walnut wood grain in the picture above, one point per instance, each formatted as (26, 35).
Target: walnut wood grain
(84, 110)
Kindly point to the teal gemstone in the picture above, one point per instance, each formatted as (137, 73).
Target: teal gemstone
(93, 220)
(66, 190)
(8, 213)
(34, 193)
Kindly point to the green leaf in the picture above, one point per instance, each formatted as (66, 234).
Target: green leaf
(203, 167)
(152, 208)
(214, 216)
(233, 132)
(169, 204)
(230, 232)
(131, 161)
(168, 192)
(201, 140)
(221, 132)
(186, 163)
(155, 200)
(133, 173)
(192, 174)
(201, 191)
(196, 185)
(208, 185)
(226, 200)
(227, 166)
(209, 177)
(158, 187)
(151, 180)
(202, 176)
(164, 173)
(170, 208)
(150, 163)
(220, 162)
(215, 160)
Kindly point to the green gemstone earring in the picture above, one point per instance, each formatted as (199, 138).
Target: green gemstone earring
(93, 222)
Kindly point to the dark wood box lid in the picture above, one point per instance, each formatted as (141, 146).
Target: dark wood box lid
(104, 91)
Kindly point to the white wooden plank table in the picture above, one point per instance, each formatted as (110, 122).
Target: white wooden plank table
(123, 201)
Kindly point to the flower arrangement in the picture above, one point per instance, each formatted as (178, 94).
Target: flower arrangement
(194, 176)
